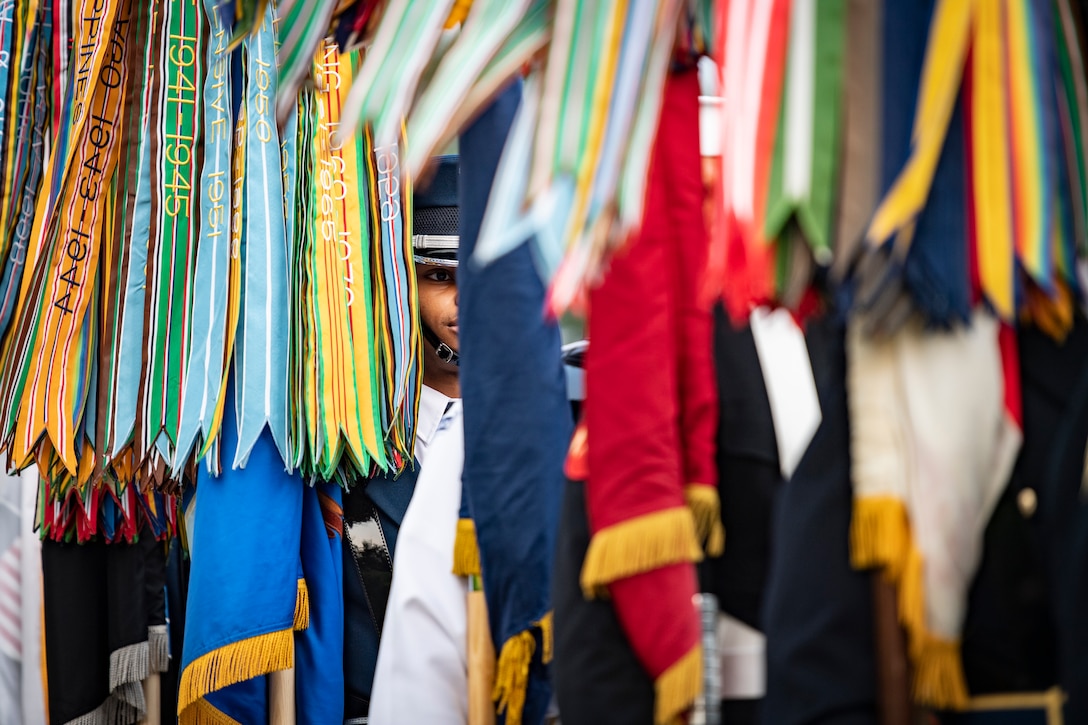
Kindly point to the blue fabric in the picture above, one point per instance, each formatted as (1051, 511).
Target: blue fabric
(937, 268)
(319, 649)
(817, 610)
(391, 498)
(464, 512)
(440, 189)
(243, 578)
(905, 34)
(360, 636)
(517, 417)
(360, 655)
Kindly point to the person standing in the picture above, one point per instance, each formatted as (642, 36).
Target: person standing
(377, 514)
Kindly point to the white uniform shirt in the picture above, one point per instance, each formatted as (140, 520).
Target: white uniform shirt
(422, 671)
(432, 406)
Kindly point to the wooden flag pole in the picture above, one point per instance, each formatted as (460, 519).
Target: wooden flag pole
(892, 667)
(481, 658)
(281, 697)
(152, 699)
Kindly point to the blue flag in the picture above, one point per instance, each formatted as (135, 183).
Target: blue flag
(517, 428)
(245, 596)
(319, 649)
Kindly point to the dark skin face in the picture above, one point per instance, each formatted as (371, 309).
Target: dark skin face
(438, 311)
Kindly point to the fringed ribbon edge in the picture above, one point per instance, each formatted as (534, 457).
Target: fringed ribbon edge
(466, 552)
(458, 13)
(512, 668)
(639, 545)
(706, 509)
(158, 643)
(676, 688)
(231, 664)
(302, 606)
(203, 712)
(880, 538)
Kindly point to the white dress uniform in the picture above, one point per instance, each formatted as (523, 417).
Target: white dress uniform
(422, 671)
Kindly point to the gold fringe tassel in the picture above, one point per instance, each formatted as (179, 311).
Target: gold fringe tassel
(638, 545)
(458, 13)
(512, 676)
(466, 552)
(547, 636)
(911, 601)
(677, 687)
(302, 606)
(706, 509)
(233, 663)
(880, 537)
(203, 712)
(938, 675)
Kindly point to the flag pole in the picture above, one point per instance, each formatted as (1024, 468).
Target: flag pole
(281, 697)
(481, 657)
(892, 669)
(152, 699)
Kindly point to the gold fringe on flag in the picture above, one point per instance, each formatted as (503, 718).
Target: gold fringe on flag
(512, 669)
(302, 606)
(231, 664)
(547, 635)
(938, 674)
(676, 688)
(204, 713)
(512, 675)
(466, 552)
(706, 509)
(880, 537)
(458, 13)
(638, 545)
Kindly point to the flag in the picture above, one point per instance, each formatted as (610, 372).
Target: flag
(319, 649)
(517, 428)
(246, 597)
(651, 416)
(104, 626)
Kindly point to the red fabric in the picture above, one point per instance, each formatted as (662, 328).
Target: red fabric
(657, 612)
(680, 174)
(747, 263)
(651, 399)
(1010, 366)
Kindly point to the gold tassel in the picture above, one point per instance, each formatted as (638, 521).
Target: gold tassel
(547, 635)
(512, 676)
(911, 601)
(302, 606)
(458, 13)
(677, 687)
(234, 663)
(707, 512)
(638, 545)
(880, 535)
(204, 713)
(466, 552)
(938, 675)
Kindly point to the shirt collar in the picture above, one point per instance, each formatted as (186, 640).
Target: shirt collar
(432, 406)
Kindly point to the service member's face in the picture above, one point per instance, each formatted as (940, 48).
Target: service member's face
(438, 309)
